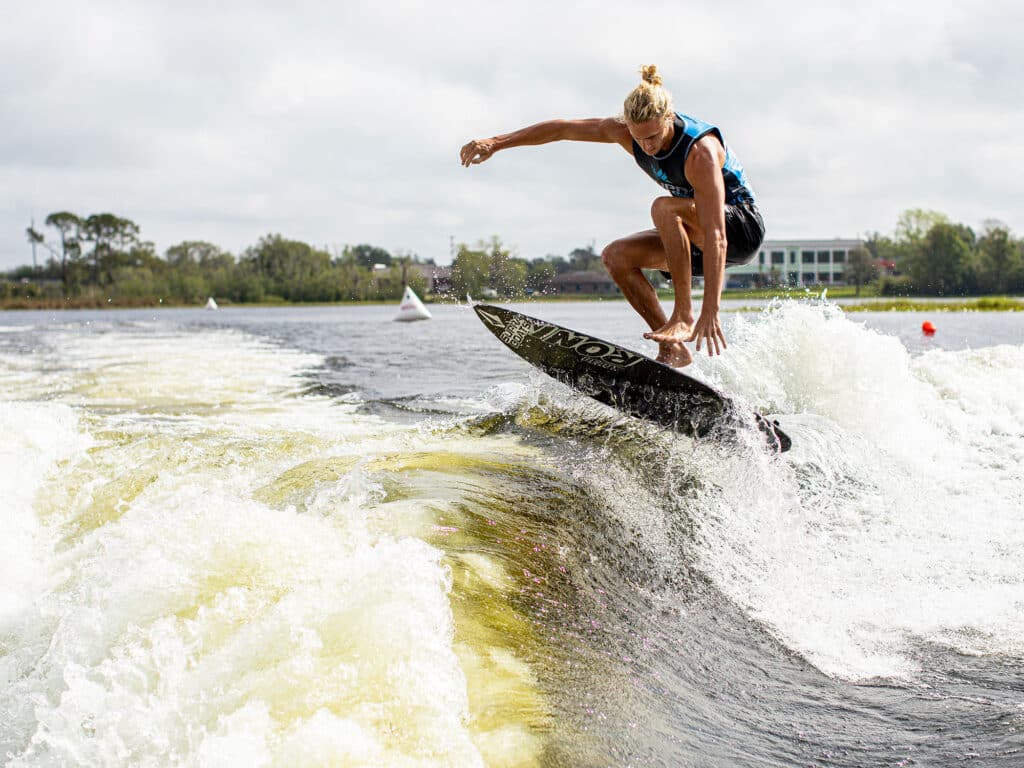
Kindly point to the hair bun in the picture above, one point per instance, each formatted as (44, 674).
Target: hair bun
(649, 73)
(649, 100)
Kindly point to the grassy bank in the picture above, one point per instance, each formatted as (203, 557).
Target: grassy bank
(786, 292)
(83, 302)
(983, 304)
(151, 303)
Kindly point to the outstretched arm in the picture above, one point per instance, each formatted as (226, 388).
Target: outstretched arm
(607, 130)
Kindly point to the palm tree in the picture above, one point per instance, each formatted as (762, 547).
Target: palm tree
(35, 238)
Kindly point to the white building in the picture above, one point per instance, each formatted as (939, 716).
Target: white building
(795, 263)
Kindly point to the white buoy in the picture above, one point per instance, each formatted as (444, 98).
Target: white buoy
(211, 304)
(411, 307)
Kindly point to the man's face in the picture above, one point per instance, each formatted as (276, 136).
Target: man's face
(653, 136)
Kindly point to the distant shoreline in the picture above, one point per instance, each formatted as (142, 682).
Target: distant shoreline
(850, 302)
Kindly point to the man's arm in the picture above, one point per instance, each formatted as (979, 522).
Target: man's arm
(704, 171)
(607, 130)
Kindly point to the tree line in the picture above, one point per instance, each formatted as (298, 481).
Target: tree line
(103, 255)
(102, 258)
(935, 256)
(491, 266)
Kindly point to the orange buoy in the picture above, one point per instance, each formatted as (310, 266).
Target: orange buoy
(927, 328)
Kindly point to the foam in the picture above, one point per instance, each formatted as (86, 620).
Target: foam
(172, 614)
(895, 519)
(202, 623)
(37, 438)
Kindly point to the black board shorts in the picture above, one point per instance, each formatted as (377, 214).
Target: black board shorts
(744, 232)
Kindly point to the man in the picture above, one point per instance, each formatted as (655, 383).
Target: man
(708, 221)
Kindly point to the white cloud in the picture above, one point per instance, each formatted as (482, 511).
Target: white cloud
(342, 123)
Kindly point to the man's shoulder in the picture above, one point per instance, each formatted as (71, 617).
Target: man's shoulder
(706, 149)
(615, 126)
(615, 131)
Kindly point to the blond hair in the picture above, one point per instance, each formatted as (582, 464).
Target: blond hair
(649, 100)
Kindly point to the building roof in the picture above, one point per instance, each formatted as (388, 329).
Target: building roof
(835, 242)
(594, 278)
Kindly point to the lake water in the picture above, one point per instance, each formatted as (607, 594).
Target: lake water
(312, 536)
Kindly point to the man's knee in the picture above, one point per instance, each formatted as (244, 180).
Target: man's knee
(615, 258)
(665, 210)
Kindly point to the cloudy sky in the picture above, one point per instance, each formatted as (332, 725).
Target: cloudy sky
(341, 122)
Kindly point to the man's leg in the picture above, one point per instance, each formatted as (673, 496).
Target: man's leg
(676, 222)
(624, 258)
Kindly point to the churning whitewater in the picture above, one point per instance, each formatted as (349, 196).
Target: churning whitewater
(204, 568)
(310, 537)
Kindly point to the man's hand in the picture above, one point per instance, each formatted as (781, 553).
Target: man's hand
(708, 329)
(478, 150)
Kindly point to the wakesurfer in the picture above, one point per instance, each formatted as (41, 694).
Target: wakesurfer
(708, 221)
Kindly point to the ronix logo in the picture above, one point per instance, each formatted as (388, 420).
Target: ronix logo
(599, 352)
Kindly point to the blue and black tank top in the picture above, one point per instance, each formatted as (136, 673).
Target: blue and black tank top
(667, 168)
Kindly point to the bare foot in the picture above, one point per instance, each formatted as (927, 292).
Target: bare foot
(674, 353)
(671, 332)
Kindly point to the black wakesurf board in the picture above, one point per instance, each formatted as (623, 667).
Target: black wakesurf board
(627, 381)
